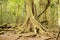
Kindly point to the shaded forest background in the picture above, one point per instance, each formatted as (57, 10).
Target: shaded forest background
(27, 15)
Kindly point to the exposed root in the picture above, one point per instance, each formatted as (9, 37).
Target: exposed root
(31, 20)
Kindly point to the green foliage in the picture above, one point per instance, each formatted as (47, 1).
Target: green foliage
(8, 11)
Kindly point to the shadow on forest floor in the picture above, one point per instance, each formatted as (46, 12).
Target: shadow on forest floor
(24, 36)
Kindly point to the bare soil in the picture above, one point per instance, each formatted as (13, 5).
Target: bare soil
(24, 36)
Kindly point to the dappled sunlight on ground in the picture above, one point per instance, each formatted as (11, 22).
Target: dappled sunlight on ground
(11, 36)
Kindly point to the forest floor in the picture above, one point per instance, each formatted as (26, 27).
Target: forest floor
(24, 36)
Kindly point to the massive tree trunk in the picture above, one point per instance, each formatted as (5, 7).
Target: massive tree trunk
(30, 21)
